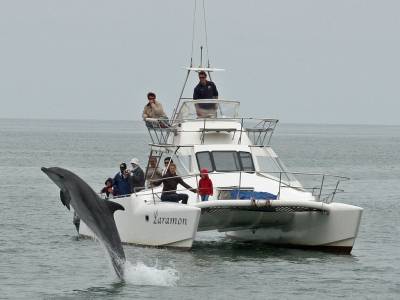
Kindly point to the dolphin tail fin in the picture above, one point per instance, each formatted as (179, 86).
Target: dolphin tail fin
(65, 198)
(113, 206)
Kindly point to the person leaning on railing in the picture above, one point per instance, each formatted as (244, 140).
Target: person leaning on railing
(170, 182)
(205, 90)
(154, 110)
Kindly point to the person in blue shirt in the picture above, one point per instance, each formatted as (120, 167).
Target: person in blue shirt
(121, 185)
(205, 90)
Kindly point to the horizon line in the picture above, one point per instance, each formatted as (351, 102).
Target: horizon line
(139, 120)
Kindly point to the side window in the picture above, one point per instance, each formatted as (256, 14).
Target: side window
(226, 161)
(246, 161)
(204, 161)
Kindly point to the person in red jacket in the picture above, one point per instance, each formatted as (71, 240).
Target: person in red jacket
(205, 185)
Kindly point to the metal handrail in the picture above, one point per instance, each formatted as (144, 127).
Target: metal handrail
(226, 119)
(173, 125)
(320, 189)
(260, 131)
(327, 197)
(191, 100)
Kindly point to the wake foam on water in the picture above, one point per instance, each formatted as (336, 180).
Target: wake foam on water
(140, 274)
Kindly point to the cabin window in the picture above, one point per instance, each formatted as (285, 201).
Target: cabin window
(246, 161)
(204, 161)
(226, 161)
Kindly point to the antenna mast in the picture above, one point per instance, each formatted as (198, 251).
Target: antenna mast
(191, 55)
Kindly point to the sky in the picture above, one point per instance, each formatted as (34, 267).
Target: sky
(309, 61)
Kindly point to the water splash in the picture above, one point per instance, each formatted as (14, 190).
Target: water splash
(140, 274)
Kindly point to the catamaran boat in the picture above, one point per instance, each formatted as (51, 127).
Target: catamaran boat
(255, 198)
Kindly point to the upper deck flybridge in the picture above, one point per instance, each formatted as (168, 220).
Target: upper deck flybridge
(220, 125)
(208, 121)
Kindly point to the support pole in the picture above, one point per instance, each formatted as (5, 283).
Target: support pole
(180, 97)
(201, 56)
(280, 180)
(320, 190)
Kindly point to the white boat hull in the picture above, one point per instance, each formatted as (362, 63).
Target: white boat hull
(334, 230)
(289, 223)
(154, 224)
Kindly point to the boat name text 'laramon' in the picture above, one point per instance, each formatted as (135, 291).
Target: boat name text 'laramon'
(169, 220)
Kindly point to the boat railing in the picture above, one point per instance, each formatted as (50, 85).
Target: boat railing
(323, 187)
(259, 131)
(159, 130)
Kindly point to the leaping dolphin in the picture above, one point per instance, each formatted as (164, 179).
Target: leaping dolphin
(97, 213)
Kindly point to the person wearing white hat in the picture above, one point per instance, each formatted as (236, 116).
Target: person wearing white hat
(135, 161)
(137, 176)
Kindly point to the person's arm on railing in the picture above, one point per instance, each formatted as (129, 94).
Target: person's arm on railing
(156, 182)
(180, 181)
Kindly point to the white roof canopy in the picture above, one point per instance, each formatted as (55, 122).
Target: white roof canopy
(203, 69)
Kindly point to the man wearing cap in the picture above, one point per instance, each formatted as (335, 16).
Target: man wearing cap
(121, 185)
(136, 178)
(205, 90)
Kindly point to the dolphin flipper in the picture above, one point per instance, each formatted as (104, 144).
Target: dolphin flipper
(113, 206)
(65, 198)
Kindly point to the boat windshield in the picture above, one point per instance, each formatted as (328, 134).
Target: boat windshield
(225, 161)
(208, 108)
(270, 164)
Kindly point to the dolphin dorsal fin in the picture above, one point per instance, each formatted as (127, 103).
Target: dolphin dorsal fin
(113, 206)
(65, 198)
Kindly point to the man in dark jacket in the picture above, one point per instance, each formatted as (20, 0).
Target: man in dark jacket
(169, 193)
(121, 185)
(136, 178)
(205, 90)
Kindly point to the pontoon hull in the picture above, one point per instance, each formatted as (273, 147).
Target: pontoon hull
(288, 223)
(335, 230)
(154, 224)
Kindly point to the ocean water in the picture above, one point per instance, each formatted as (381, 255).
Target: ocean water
(41, 258)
